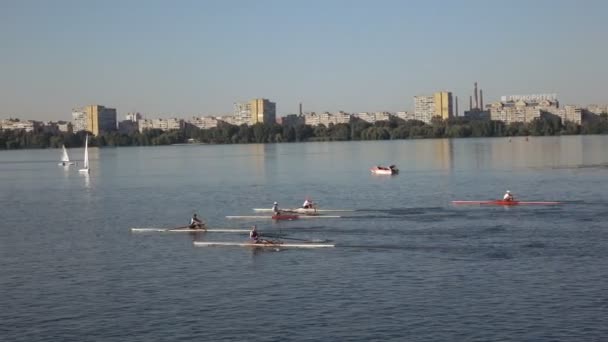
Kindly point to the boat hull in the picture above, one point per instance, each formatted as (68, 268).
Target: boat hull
(285, 217)
(383, 171)
(263, 245)
(306, 211)
(505, 203)
(188, 230)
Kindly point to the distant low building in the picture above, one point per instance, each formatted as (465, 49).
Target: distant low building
(405, 116)
(56, 127)
(525, 108)
(292, 120)
(597, 109)
(326, 118)
(203, 122)
(16, 124)
(128, 127)
(162, 124)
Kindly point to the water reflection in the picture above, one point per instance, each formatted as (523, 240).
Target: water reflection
(87, 180)
(539, 152)
(257, 152)
(444, 154)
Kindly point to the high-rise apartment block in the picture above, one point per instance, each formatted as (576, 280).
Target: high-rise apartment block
(444, 107)
(438, 105)
(95, 119)
(79, 120)
(424, 108)
(262, 111)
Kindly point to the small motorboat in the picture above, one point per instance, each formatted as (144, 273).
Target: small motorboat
(383, 170)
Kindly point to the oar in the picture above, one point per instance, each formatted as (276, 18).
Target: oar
(286, 238)
(193, 229)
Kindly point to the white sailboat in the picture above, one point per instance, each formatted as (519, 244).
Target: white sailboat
(65, 159)
(86, 156)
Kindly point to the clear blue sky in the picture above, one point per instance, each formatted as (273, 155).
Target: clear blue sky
(189, 58)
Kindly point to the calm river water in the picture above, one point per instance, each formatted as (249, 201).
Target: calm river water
(408, 265)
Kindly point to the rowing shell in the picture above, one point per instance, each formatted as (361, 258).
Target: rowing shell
(305, 210)
(500, 202)
(188, 230)
(282, 217)
(263, 245)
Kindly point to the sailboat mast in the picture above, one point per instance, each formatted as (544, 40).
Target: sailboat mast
(86, 153)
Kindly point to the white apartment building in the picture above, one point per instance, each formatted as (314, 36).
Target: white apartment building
(424, 108)
(162, 124)
(365, 116)
(203, 122)
(26, 125)
(405, 115)
(79, 120)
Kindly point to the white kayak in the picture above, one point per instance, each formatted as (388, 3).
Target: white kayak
(259, 217)
(304, 210)
(188, 230)
(263, 245)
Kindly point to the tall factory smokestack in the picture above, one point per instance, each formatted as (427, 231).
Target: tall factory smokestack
(456, 105)
(470, 102)
(300, 108)
(476, 97)
(480, 99)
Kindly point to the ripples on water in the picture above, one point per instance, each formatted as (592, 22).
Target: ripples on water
(408, 266)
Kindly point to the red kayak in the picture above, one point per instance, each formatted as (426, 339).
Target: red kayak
(284, 217)
(502, 202)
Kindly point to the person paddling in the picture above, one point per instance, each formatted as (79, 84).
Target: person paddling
(307, 204)
(508, 196)
(255, 236)
(275, 209)
(196, 223)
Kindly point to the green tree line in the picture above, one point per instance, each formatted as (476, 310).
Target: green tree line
(355, 130)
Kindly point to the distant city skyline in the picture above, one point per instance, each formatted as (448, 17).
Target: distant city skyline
(199, 58)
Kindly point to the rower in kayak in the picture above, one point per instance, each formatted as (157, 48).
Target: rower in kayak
(255, 236)
(307, 204)
(508, 196)
(275, 209)
(196, 223)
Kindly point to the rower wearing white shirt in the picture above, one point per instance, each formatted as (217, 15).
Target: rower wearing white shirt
(508, 196)
(307, 204)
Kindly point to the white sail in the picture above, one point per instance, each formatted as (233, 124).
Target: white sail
(86, 153)
(65, 157)
(86, 156)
